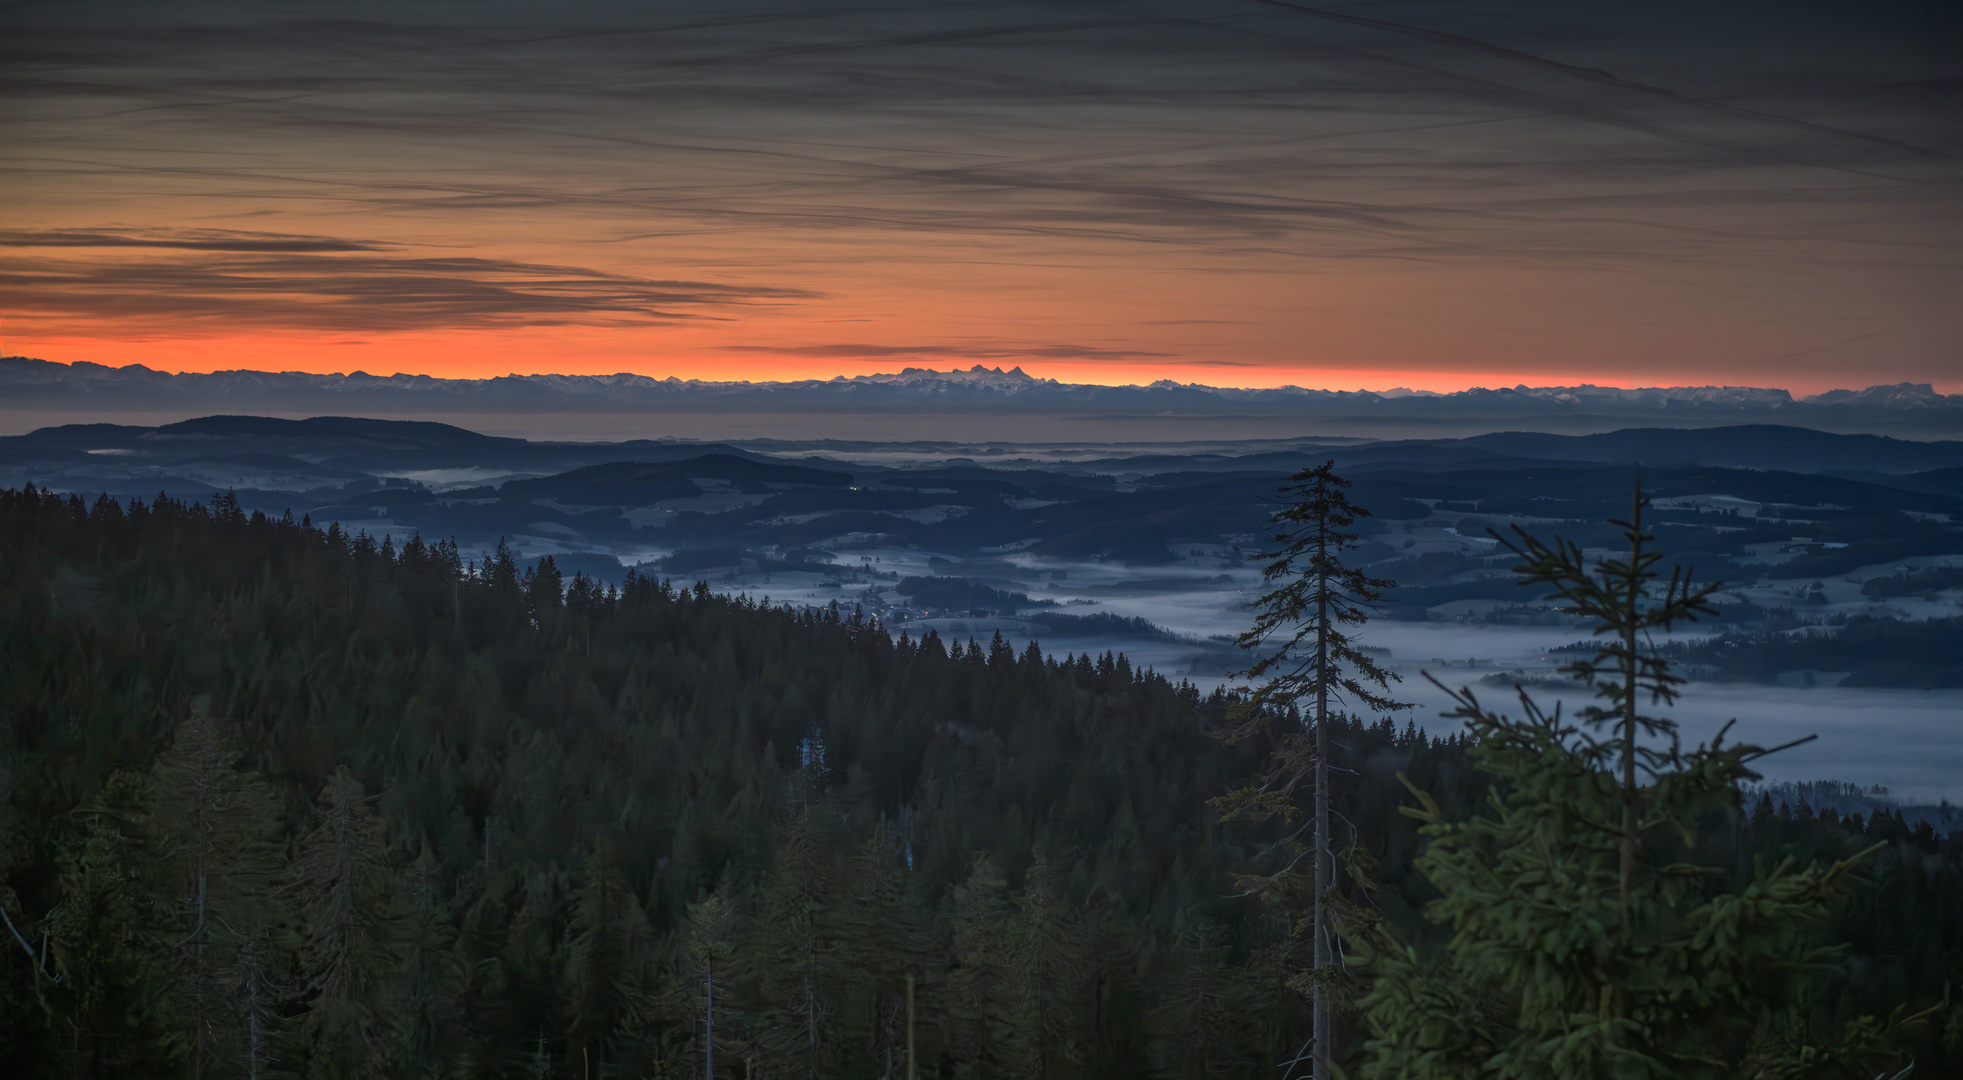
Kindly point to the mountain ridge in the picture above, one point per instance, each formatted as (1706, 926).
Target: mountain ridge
(27, 378)
(392, 445)
(915, 403)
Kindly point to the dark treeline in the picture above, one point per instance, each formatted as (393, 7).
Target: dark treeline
(960, 594)
(285, 801)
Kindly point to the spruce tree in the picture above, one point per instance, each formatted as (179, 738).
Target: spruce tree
(981, 1013)
(102, 945)
(213, 829)
(610, 950)
(1200, 1028)
(1301, 640)
(431, 1015)
(1047, 963)
(1589, 938)
(795, 952)
(710, 973)
(343, 883)
(887, 946)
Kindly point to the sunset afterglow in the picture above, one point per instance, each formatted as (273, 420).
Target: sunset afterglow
(1247, 194)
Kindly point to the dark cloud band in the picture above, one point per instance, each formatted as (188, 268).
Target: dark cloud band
(272, 283)
(182, 240)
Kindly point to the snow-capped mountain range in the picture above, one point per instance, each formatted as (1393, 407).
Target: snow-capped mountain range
(29, 383)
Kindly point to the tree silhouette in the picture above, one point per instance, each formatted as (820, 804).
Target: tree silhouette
(1303, 648)
(1590, 935)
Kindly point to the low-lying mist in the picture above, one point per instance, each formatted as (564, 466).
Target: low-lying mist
(1909, 741)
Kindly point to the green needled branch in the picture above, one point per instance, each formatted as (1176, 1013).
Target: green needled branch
(1588, 934)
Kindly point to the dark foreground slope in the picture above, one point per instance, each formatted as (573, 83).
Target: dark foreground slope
(278, 799)
(464, 822)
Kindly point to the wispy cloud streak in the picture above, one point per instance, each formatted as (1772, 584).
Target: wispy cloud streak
(237, 280)
(181, 240)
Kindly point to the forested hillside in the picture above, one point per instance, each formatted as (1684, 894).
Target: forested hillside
(282, 801)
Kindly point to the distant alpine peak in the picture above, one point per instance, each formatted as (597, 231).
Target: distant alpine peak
(1900, 395)
(978, 373)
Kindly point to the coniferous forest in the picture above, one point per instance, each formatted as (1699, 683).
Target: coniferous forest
(281, 801)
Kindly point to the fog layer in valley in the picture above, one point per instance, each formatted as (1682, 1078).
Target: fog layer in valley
(1842, 556)
(1910, 741)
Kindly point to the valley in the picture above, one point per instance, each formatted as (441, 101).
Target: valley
(1841, 556)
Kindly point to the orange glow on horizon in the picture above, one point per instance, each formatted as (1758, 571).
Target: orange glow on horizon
(579, 351)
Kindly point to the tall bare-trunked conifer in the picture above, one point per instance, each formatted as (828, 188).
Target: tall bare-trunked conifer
(1303, 648)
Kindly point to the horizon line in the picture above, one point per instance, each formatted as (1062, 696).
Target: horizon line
(1510, 382)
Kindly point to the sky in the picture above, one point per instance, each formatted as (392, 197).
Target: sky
(1234, 192)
